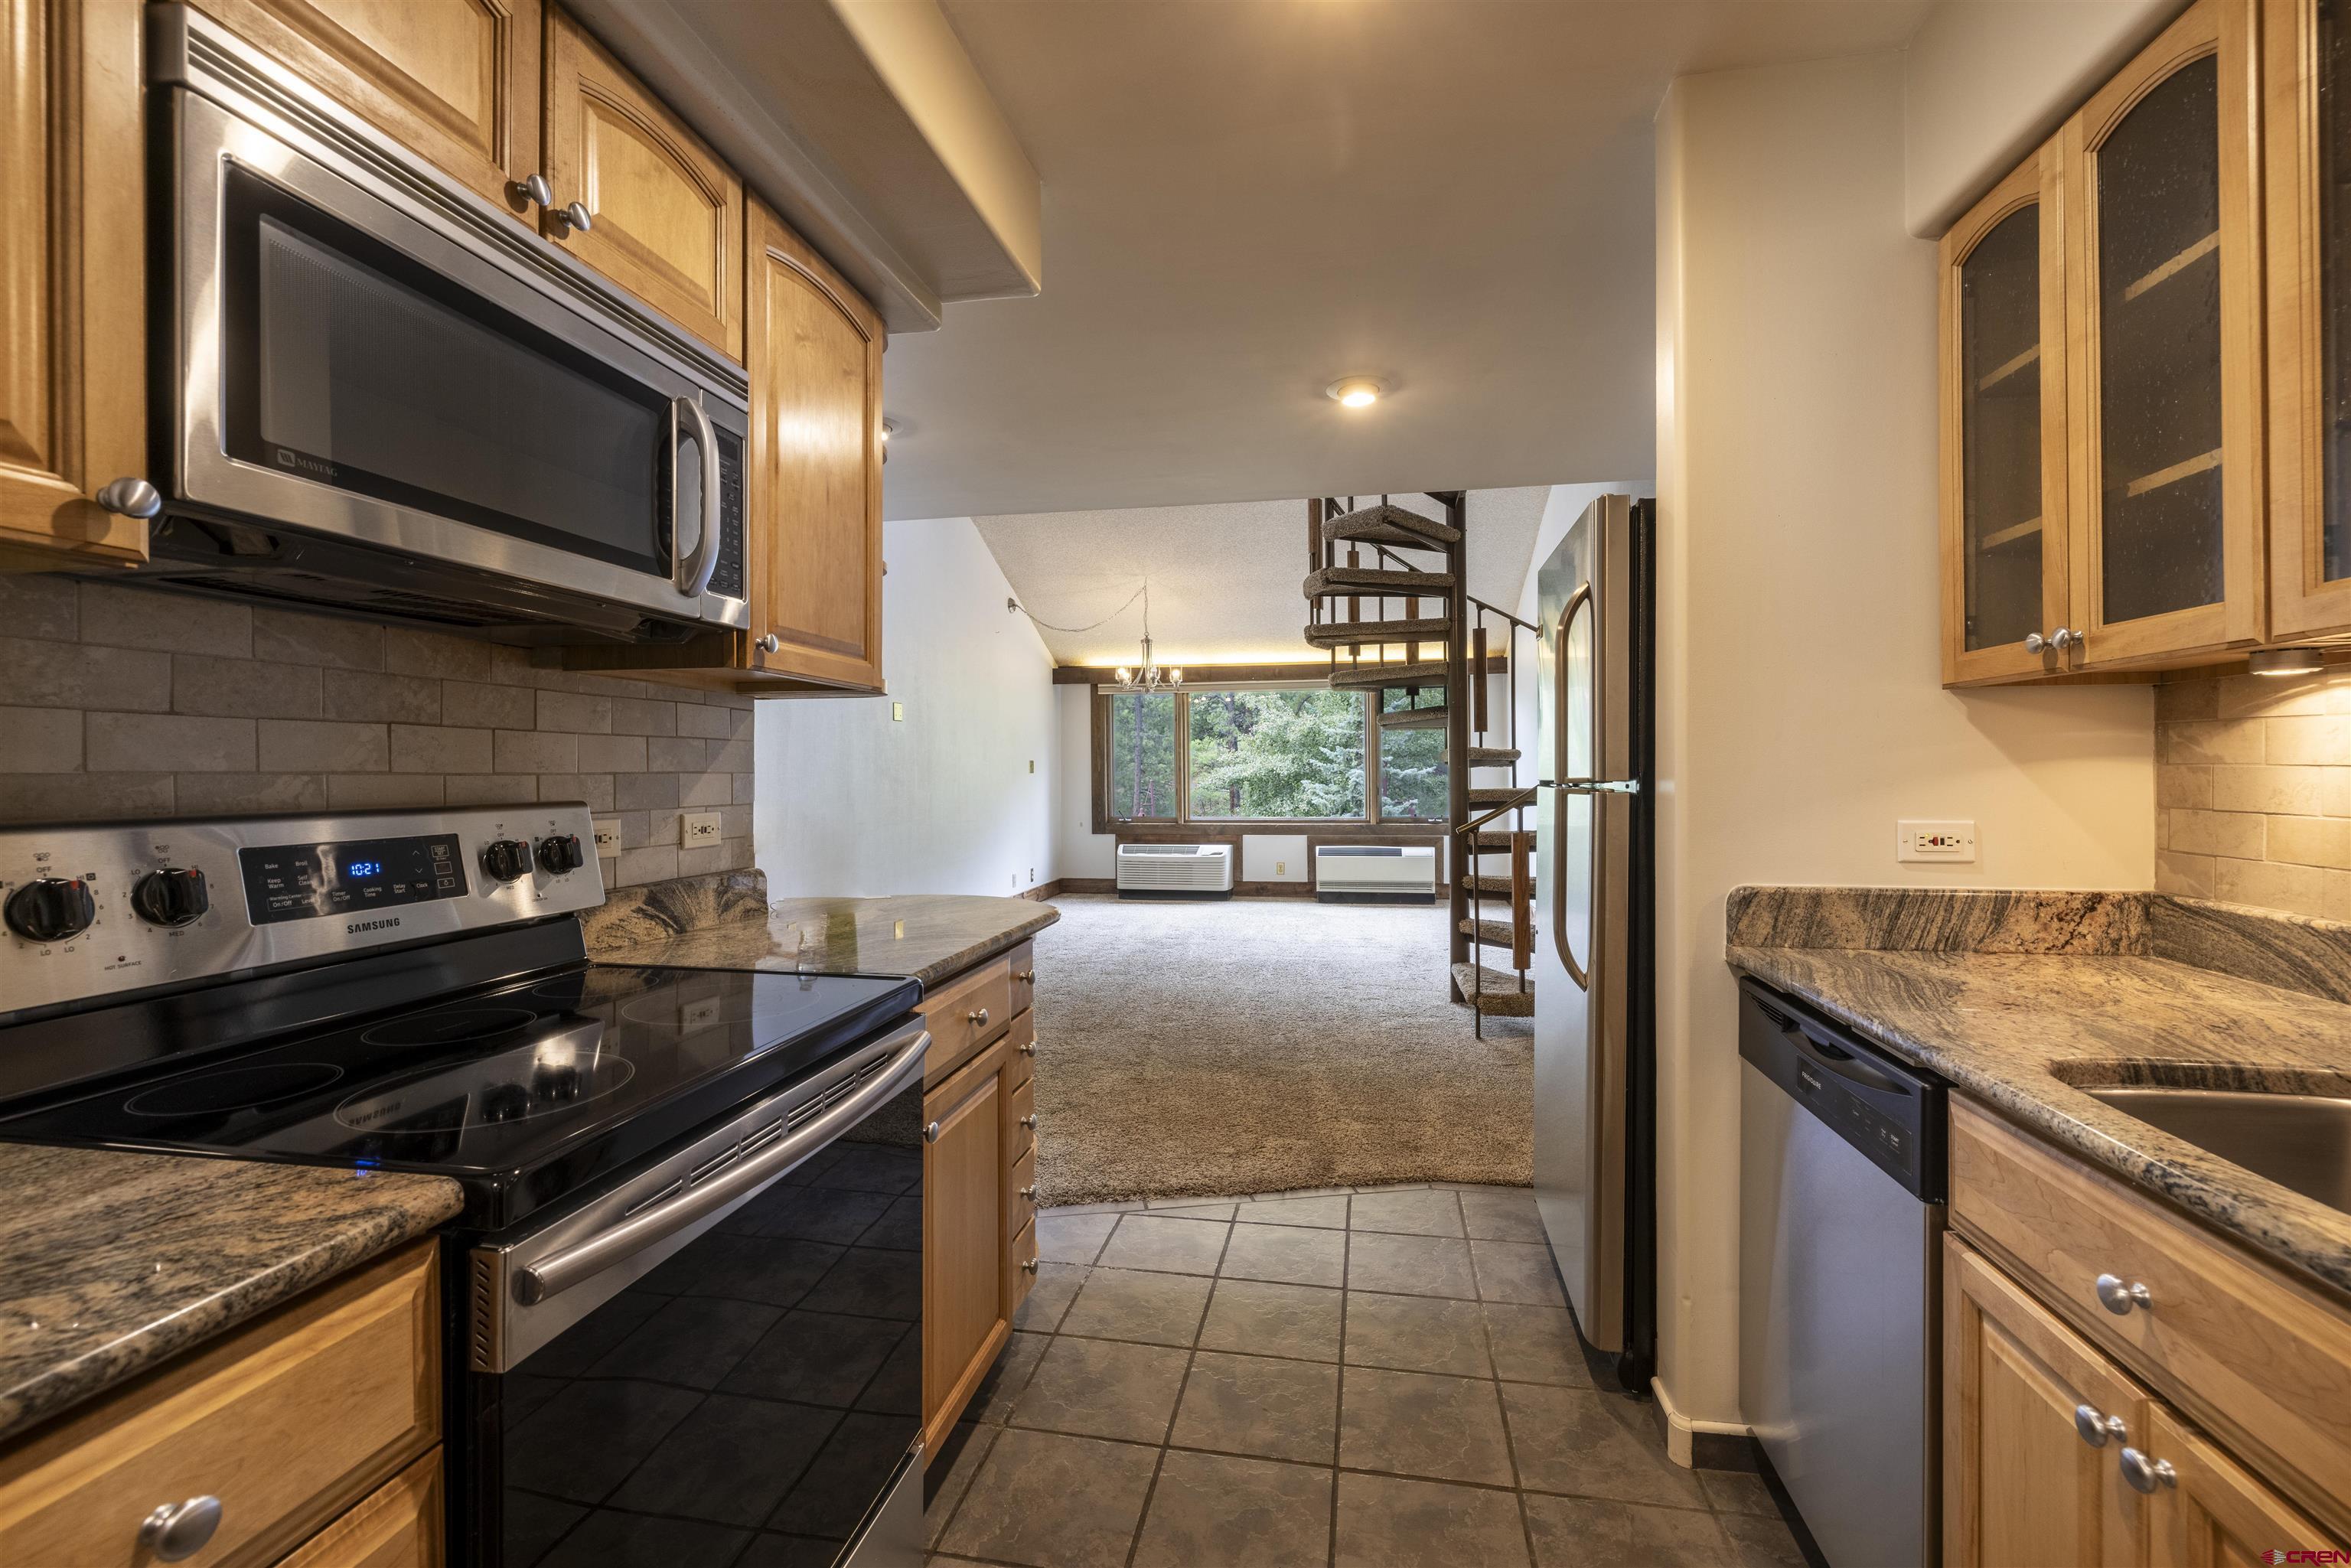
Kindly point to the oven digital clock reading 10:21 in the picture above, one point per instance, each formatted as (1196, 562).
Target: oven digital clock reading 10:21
(307, 881)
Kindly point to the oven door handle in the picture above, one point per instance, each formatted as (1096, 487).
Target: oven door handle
(691, 576)
(558, 1272)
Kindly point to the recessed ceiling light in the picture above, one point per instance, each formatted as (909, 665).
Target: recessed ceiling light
(1355, 391)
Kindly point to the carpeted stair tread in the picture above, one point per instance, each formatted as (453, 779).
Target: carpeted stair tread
(1493, 755)
(1381, 674)
(1487, 882)
(1493, 933)
(1389, 525)
(1495, 991)
(1351, 633)
(1501, 794)
(1372, 580)
(1413, 718)
(1490, 840)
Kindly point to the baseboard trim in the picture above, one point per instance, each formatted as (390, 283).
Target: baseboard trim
(1703, 1445)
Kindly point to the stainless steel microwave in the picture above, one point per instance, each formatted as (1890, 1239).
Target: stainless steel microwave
(377, 393)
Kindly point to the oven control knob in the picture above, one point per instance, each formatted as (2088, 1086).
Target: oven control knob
(50, 909)
(507, 859)
(560, 852)
(173, 895)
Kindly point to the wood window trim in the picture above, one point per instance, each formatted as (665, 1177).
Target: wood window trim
(1184, 825)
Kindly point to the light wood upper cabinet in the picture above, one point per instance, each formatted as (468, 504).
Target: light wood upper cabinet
(2163, 308)
(815, 485)
(2021, 1482)
(2306, 123)
(456, 81)
(2001, 320)
(666, 215)
(72, 282)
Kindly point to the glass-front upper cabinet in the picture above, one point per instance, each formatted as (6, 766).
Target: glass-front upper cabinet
(2003, 326)
(2163, 310)
(2307, 45)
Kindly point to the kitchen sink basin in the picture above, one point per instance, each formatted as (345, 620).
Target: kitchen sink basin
(2299, 1141)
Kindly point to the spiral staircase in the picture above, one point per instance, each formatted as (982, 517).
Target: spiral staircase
(1387, 597)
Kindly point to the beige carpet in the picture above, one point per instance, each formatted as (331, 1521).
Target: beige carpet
(1265, 1045)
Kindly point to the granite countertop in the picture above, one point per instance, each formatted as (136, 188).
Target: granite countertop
(925, 936)
(111, 1263)
(2022, 1001)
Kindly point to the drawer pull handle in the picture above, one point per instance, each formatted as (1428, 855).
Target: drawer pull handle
(978, 1018)
(1030, 1121)
(2145, 1475)
(1029, 1193)
(1027, 977)
(181, 1529)
(2095, 1428)
(1029, 1266)
(931, 1134)
(2118, 1296)
(1029, 1048)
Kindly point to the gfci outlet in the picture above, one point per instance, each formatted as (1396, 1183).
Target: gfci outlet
(698, 827)
(1936, 841)
(608, 835)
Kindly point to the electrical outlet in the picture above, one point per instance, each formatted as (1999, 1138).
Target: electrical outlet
(1936, 841)
(897, 713)
(1282, 868)
(608, 835)
(1032, 765)
(697, 828)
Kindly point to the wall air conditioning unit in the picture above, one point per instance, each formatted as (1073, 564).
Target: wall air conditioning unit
(1197, 870)
(1388, 874)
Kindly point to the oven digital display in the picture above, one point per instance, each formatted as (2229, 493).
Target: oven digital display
(310, 881)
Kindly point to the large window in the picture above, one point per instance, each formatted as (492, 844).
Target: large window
(1264, 754)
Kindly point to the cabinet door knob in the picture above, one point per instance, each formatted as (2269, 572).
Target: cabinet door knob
(931, 1134)
(573, 217)
(1029, 1048)
(1029, 1193)
(770, 643)
(129, 497)
(535, 190)
(978, 1018)
(1027, 977)
(181, 1529)
(2145, 1475)
(2096, 1427)
(2118, 1296)
(1030, 1121)
(1029, 1266)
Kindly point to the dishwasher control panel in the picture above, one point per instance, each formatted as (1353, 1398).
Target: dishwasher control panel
(1893, 1113)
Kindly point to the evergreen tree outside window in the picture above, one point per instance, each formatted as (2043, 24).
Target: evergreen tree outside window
(1265, 755)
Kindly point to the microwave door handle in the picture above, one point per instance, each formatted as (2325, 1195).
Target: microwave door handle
(691, 576)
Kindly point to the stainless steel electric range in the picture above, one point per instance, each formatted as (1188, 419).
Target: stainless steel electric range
(684, 1309)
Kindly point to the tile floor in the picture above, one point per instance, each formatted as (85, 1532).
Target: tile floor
(1338, 1379)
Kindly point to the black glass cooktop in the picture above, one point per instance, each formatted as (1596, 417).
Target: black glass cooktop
(522, 1094)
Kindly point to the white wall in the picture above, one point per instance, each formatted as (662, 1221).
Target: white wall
(849, 802)
(1078, 850)
(1800, 709)
(1985, 82)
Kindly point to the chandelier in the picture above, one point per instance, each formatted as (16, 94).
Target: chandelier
(1150, 677)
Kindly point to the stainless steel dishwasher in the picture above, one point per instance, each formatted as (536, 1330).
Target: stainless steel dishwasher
(1840, 1210)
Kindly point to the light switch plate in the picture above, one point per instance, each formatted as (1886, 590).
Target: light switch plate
(1946, 842)
(897, 713)
(608, 835)
(697, 828)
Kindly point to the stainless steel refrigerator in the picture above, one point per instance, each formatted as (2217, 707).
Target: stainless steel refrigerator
(1594, 1076)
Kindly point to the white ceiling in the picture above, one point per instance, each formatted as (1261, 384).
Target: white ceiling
(1244, 201)
(1224, 579)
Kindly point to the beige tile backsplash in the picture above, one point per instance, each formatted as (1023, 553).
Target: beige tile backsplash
(2253, 789)
(124, 702)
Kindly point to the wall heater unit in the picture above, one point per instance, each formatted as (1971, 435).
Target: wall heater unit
(1355, 873)
(1201, 871)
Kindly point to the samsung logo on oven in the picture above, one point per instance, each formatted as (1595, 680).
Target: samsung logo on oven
(317, 469)
(356, 926)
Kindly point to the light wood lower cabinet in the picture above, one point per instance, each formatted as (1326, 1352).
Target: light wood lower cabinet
(287, 1421)
(2187, 1428)
(399, 1525)
(73, 355)
(979, 1182)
